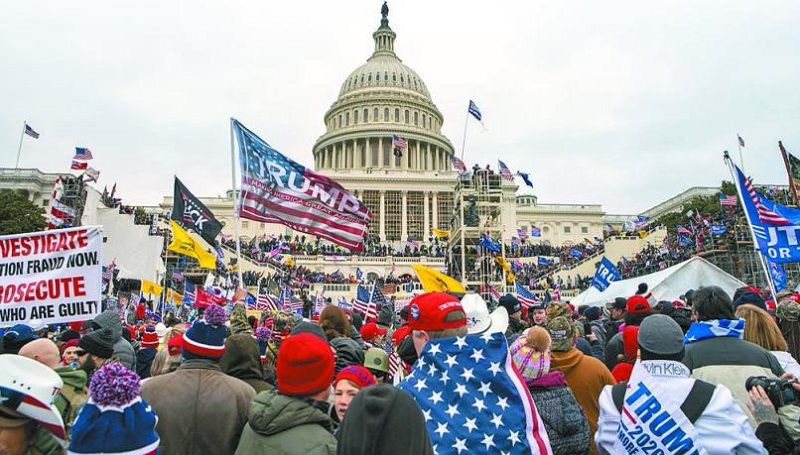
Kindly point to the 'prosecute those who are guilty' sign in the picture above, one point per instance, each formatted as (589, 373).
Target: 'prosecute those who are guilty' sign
(51, 276)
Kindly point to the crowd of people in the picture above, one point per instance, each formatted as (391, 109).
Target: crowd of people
(710, 369)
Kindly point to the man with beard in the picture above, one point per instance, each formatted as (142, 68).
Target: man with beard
(96, 349)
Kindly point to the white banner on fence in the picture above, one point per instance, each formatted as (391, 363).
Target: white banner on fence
(51, 276)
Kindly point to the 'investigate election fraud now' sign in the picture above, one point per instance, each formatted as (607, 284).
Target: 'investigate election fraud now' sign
(51, 276)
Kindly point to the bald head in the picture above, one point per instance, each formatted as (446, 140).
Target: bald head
(43, 351)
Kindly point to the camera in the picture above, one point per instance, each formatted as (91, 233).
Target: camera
(779, 391)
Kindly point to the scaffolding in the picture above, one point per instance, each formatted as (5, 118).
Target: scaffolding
(477, 212)
(74, 196)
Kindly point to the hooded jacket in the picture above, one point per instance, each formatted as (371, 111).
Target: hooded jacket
(242, 360)
(371, 423)
(123, 350)
(144, 360)
(348, 352)
(566, 424)
(586, 377)
(284, 425)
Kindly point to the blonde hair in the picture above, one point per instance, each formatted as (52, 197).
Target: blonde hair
(761, 329)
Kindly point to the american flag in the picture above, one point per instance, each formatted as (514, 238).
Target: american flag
(505, 171)
(459, 166)
(398, 142)
(91, 174)
(79, 166)
(364, 303)
(473, 399)
(525, 296)
(683, 230)
(557, 293)
(765, 215)
(82, 154)
(394, 359)
(30, 132)
(494, 292)
(296, 196)
(730, 201)
(343, 303)
(264, 301)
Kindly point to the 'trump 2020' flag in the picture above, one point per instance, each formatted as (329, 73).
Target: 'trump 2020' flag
(606, 273)
(192, 214)
(473, 399)
(276, 189)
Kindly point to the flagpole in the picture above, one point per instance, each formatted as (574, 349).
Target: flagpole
(741, 194)
(19, 149)
(236, 210)
(464, 137)
(739, 144)
(788, 170)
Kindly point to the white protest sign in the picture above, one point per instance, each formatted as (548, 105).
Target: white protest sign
(53, 276)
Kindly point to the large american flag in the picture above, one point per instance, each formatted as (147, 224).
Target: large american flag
(30, 132)
(276, 189)
(525, 297)
(505, 171)
(473, 399)
(459, 166)
(364, 303)
(765, 215)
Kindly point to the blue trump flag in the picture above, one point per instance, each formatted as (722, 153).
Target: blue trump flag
(489, 243)
(576, 253)
(473, 399)
(778, 276)
(606, 273)
(718, 229)
(543, 261)
(775, 226)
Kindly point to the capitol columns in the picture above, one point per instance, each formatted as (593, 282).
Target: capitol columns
(426, 218)
(436, 209)
(366, 152)
(404, 217)
(382, 225)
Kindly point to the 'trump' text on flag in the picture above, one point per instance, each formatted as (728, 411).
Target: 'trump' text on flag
(276, 189)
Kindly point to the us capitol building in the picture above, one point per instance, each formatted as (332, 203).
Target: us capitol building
(412, 193)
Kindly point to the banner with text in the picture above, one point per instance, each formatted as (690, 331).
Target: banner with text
(52, 276)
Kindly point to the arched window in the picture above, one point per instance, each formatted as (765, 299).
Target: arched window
(394, 77)
(406, 117)
(366, 115)
(386, 76)
(397, 115)
(402, 81)
(424, 121)
(362, 78)
(386, 114)
(369, 77)
(375, 115)
(416, 118)
(340, 120)
(355, 117)
(347, 119)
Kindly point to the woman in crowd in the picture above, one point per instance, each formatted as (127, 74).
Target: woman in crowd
(564, 420)
(345, 387)
(761, 329)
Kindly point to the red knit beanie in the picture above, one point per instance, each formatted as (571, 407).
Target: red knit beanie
(359, 376)
(305, 365)
(175, 344)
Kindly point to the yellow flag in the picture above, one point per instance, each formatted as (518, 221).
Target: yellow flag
(511, 277)
(149, 287)
(183, 243)
(440, 233)
(643, 234)
(501, 261)
(435, 281)
(174, 297)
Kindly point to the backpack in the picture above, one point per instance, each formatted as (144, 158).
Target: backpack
(692, 407)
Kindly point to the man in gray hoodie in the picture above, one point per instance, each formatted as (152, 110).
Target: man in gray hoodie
(122, 348)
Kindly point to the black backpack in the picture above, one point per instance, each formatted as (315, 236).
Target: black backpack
(692, 407)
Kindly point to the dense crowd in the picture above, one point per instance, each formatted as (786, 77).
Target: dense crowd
(225, 381)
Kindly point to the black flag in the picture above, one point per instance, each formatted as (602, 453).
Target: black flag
(192, 214)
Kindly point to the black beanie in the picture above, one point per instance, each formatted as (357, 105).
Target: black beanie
(69, 335)
(373, 418)
(99, 343)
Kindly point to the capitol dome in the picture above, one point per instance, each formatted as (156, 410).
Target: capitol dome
(379, 99)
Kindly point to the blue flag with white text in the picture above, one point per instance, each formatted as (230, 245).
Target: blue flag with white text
(606, 273)
(778, 276)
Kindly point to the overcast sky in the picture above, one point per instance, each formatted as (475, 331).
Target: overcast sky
(622, 103)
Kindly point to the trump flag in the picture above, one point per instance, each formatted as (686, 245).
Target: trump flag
(276, 189)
